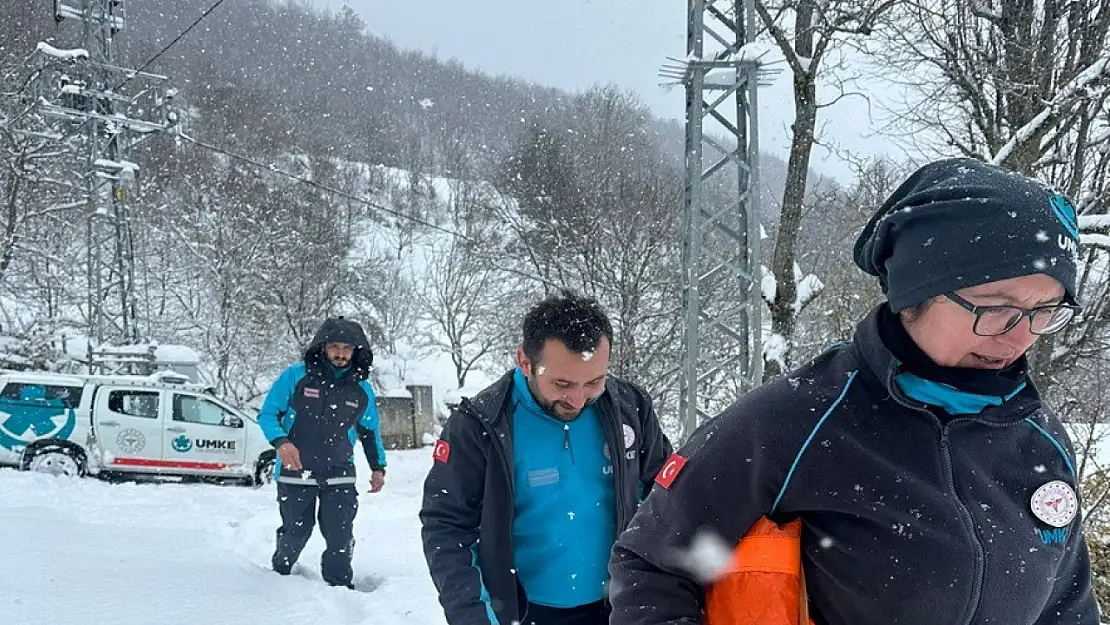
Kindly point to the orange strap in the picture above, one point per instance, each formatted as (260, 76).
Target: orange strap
(768, 554)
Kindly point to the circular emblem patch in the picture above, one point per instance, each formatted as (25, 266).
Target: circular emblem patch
(629, 436)
(130, 441)
(1055, 503)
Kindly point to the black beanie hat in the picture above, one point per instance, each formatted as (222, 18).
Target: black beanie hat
(958, 223)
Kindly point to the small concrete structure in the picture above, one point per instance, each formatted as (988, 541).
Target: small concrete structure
(406, 414)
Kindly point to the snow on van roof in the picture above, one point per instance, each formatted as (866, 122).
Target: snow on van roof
(44, 377)
(79, 379)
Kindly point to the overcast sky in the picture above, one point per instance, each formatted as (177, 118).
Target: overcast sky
(573, 44)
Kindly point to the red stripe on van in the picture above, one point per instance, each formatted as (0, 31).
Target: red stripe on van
(169, 464)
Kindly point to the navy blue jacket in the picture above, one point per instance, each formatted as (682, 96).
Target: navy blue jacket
(321, 410)
(469, 494)
(907, 517)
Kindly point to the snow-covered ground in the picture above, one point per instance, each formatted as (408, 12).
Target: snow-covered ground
(89, 552)
(86, 552)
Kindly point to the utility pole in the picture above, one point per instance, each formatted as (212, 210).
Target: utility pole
(107, 109)
(721, 347)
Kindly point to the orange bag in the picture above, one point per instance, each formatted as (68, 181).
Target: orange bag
(764, 583)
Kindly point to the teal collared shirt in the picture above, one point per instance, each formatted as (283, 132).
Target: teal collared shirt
(564, 521)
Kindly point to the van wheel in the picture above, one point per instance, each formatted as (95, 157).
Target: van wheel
(56, 460)
(264, 470)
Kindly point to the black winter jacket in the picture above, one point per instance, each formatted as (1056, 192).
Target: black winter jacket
(905, 519)
(467, 512)
(321, 411)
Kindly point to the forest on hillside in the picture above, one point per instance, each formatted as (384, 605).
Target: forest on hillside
(315, 169)
(426, 176)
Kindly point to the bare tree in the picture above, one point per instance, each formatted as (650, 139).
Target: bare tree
(461, 300)
(220, 241)
(31, 190)
(834, 218)
(594, 205)
(1000, 80)
(806, 32)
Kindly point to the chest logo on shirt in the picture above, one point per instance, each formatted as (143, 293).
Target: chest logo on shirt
(314, 393)
(629, 436)
(1055, 503)
(352, 404)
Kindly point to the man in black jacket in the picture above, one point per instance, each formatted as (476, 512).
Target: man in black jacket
(534, 477)
(312, 415)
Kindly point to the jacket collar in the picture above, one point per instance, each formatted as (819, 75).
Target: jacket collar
(490, 403)
(884, 368)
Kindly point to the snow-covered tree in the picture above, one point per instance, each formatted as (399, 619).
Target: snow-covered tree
(811, 35)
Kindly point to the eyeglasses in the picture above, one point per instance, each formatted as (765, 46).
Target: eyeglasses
(997, 320)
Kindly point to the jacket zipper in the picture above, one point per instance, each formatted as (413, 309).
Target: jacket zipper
(566, 441)
(969, 524)
(965, 514)
(500, 450)
(616, 451)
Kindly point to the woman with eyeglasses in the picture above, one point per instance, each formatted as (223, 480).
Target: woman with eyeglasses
(933, 485)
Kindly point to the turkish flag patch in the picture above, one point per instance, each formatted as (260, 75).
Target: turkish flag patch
(442, 451)
(670, 470)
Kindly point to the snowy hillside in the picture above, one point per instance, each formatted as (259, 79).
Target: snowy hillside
(86, 551)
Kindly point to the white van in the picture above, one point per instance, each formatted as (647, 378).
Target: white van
(162, 425)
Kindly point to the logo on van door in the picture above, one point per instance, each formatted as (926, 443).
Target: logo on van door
(218, 446)
(130, 441)
(182, 444)
(20, 425)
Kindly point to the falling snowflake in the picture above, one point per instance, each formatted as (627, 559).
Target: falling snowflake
(708, 556)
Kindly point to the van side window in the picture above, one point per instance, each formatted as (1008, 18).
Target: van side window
(192, 409)
(134, 403)
(42, 394)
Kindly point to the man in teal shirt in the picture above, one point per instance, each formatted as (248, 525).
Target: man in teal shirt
(534, 477)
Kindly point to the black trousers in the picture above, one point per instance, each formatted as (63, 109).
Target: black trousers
(338, 505)
(596, 613)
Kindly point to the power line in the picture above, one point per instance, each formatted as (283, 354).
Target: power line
(323, 187)
(302, 179)
(291, 175)
(365, 202)
(169, 45)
